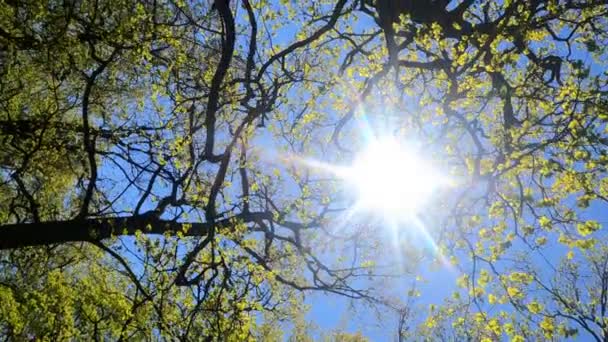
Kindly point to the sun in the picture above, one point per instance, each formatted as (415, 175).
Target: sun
(388, 178)
(392, 178)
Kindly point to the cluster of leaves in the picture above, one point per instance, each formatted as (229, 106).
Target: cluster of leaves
(513, 95)
(136, 198)
(147, 152)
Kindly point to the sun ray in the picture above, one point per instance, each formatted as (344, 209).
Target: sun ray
(390, 182)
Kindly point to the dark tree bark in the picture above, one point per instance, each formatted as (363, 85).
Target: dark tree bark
(90, 230)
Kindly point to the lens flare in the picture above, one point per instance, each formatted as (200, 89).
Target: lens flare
(391, 178)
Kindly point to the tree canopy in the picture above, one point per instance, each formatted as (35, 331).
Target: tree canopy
(164, 167)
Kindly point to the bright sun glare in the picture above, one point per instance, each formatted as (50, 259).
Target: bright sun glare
(391, 178)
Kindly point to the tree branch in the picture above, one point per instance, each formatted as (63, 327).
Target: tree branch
(92, 230)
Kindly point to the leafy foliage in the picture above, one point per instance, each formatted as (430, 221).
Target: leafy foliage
(151, 183)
